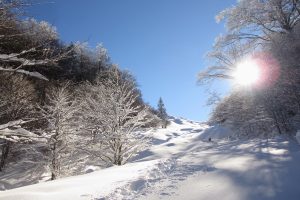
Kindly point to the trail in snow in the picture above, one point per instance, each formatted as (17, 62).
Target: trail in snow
(182, 164)
(231, 170)
(222, 169)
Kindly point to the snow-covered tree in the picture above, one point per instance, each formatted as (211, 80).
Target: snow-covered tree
(27, 47)
(16, 106)
(102, 57)
(250, 25)
(26, 44)
(162, 113)
(12, 133)
(256, 20)
(42, 31)
(286, 50)
(244, 113)
(17, 98)
(59, 114)
(267, 30)
(113, 119)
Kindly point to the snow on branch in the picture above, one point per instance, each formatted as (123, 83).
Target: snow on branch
(113, 119)
(13, 124)
(21, 71)
(13, 132)
(18, 135)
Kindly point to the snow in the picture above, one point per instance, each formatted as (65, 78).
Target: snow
(183, 164)
(217, 132)
(17, 133)
(88, 186)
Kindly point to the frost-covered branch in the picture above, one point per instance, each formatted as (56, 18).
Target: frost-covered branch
(27, 44)
(250, 25)
(59, 113)
(111, 113)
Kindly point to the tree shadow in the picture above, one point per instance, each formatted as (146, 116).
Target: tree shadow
(14, 177)
(273, 173)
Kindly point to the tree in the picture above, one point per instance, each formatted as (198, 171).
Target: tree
(59, 114)
(26, 45)
(112, 118)
(162, 113)
(102, 57)
(17, 101)
(12, 133)
(250, 25)
(36, 104)
(244, 113)
(267, 31)
(257, 20)
(28, 48)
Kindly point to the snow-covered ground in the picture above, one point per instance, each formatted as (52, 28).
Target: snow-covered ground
(182, 164)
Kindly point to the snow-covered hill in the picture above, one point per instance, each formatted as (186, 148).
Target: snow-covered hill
(183, 164)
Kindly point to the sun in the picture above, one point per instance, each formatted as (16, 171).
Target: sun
(247, 72)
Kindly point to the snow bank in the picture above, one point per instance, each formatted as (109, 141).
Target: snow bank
(216, 132)
(89, 186)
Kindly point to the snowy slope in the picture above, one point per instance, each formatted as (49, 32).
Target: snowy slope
(89, 186)
(182, 164)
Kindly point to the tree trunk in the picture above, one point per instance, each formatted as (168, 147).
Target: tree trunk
(54, 163)
(53, 176)
(276, 122)
(119, 156)
(4, 154)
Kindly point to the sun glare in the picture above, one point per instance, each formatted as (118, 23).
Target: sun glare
(247, 72)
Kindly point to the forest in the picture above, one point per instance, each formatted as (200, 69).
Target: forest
(63, 103)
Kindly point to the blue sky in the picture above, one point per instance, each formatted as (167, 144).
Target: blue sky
(162, 42)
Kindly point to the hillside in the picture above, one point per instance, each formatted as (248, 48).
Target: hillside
(183, 164)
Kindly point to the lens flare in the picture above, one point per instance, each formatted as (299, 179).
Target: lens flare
(270, 70)
(247, 72)
(260, 70)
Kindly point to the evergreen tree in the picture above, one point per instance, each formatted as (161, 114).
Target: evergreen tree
(162, 113)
